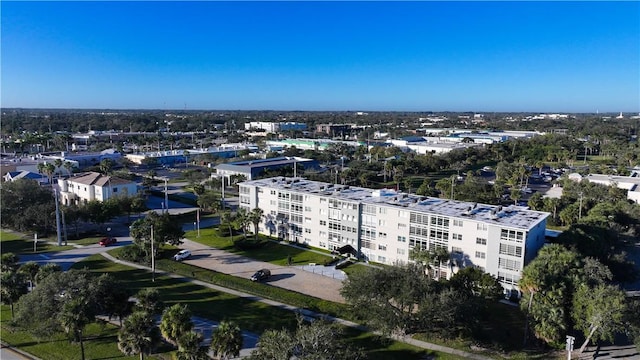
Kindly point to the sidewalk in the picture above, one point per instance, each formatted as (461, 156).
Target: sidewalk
(305, 312)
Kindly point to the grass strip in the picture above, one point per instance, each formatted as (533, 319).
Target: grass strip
(250, 315)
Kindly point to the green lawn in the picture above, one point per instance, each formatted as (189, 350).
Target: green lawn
(17, 243)
(100, 342)
(272, 252)
(249, 314)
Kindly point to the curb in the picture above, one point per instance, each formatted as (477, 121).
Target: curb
(18, 351)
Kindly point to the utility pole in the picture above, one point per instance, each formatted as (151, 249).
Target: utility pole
(166, 196)
(453, 179)
(153, 259)
(222, 192)
(55, 191)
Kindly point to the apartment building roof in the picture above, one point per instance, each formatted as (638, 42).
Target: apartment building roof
(97, 179)
(510, 216)
(259, 163)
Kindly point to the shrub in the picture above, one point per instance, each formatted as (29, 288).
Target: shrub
(249, 244)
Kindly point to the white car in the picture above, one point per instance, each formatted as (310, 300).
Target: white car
(181, 255)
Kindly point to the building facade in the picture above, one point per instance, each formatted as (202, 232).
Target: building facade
(251, 169)
(94, 186)
(385, 225)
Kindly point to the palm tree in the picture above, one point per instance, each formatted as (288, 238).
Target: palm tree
(75, 315)
(242, 221)
(149, 301)
(227, 218)
(58, 164)
(106, 166)
(68, 165)
(139, 335)
(226, 340)
(48, 169)
(255, 216)
(176, 321)
(189, 347)
(30, 270)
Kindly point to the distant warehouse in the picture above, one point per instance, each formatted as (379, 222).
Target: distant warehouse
(252, 169)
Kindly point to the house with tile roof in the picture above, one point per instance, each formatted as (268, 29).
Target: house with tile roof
(90, 186)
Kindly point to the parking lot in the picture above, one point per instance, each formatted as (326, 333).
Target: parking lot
(288, 277)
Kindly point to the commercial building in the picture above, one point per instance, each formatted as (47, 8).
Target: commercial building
(385, 225)
(309, 144)
(172, 157)
(630, 183)
(275, 127)
(251, 169)
(90, 186)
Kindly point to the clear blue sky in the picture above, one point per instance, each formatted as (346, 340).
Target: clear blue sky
(404, 56)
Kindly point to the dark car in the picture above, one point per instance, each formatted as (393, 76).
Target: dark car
(108, 241)
(260, 275)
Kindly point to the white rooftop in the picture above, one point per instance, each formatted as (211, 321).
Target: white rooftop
(511, 216)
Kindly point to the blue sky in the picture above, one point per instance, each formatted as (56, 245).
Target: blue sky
(375, 56)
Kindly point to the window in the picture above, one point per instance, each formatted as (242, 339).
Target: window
(272, 192)
(307, 208)
(115, 190)
(457, 236)
(403, 214)
(382, 247)
(481, 241)
(382, 222)
(382, 259)
(457, 250)
(512, 250)
(457, 222)
(383, 211)
(382, 235)
(481, 227)
(440, 221)
(480, 255)
(307, 230)
(511, 235)
(402, 238)
(508, 278)
(508, 264)
(323, 223)
(401, 251)
(322, 244)
(402, 226)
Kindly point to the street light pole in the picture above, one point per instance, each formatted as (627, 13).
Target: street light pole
(153, 259)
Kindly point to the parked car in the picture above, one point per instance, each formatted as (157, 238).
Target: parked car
(108, 241)
(181, 255)
(261, 274)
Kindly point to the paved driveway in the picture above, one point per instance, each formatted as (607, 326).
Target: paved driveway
(287, 277)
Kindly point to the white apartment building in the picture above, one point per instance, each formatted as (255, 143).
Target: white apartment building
(384, 225)
(94, 186)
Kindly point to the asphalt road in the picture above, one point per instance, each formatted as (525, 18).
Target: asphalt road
(69, 257)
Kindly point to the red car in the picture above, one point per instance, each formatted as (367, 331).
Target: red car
(108, 241)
